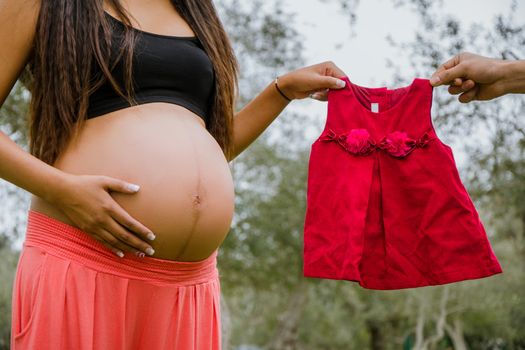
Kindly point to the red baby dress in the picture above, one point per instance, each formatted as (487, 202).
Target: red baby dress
(385, 204)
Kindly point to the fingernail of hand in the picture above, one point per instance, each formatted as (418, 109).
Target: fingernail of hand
(133, 187)
(151, 236)
(340, 83)
(150, 251)
(435, 80)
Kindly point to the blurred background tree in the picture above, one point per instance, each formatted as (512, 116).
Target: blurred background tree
(266, 302)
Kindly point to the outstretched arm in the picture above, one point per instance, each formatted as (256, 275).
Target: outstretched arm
(259, 113)
(476, 77)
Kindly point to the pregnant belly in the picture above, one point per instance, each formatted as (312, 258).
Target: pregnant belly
(186, 194)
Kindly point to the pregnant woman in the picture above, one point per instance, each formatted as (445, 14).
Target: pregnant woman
(122, 98)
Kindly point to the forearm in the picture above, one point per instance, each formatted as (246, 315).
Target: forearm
(513, 73)
(256, 116)
(28, 172)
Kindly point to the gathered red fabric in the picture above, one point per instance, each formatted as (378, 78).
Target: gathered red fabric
(386, 206)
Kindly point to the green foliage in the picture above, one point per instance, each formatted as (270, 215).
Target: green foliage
(7, 273)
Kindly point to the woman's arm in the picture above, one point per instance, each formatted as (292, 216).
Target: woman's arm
(258, 114)
(17, 31)
(84, 198)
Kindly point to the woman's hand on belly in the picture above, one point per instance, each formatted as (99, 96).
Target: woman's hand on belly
(186, 196)
(85, 200)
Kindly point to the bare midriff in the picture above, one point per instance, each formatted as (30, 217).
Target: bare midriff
(186, 194)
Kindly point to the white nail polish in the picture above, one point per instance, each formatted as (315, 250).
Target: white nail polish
(133, 187)
(150, 251)
(341, 83)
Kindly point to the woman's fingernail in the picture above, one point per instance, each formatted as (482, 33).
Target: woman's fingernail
(150, 251)
(133, 187)
(435, 80)
(341, 83)
(151, 236)
(119, 253)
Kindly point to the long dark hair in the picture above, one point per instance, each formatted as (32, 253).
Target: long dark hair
(67, 44)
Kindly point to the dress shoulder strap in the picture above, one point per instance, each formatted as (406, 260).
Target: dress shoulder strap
(417, 110)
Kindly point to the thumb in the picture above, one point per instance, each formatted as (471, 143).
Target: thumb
(447, 76)
(119, 185)
(330, 82)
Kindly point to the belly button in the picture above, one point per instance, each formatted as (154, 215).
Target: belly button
(196, 199)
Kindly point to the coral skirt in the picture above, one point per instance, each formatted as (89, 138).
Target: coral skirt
(71, 292)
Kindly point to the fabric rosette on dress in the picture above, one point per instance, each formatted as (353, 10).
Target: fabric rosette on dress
(359, 142)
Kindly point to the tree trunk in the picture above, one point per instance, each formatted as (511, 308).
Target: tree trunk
(456, 334)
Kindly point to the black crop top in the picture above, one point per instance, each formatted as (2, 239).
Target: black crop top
(172, 69)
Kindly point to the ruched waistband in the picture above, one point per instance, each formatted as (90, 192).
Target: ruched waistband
(69, 242)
